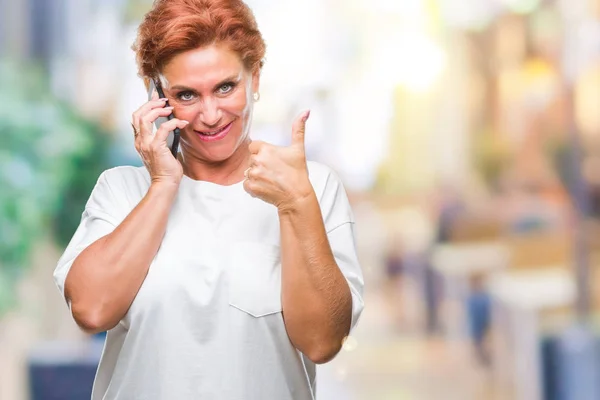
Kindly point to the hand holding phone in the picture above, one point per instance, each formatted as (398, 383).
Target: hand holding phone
(173, 140)
(158, 156)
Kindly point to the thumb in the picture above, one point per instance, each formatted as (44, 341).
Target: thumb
(298, 129)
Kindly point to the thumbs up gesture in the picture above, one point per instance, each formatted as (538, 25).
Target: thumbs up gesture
(278, 175)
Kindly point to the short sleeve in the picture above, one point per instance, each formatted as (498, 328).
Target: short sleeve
(340, 224)
(99, 218)
(342, 243)
(333, 201)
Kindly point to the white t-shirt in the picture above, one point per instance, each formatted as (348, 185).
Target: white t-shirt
(207, 321)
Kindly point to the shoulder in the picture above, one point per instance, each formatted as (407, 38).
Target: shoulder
(125, 175)
(331, 195)
(322, 177)
(317, 169)
(125, 184)
(125, 178)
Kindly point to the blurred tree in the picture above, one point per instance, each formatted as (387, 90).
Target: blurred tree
(135, 10)
(50, 158)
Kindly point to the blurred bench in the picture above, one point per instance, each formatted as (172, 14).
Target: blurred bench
(539, 250)
(63, 370)
(470, 229)
(460, 265)
(519, 299)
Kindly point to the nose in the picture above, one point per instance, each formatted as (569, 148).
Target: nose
(210, 114)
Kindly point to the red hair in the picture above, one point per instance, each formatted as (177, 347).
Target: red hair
(172, 27)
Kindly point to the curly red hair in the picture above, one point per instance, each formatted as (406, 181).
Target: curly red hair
(175, 26)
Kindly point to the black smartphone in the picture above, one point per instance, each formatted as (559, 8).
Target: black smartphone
(173, 139)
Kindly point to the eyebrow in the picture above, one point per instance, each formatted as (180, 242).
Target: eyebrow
(232, 78)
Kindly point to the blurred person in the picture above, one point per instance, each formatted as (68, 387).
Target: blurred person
(394, 264)
(479, 312)
(449, 208)
(230, 271)
(394, 286)
(594, 189)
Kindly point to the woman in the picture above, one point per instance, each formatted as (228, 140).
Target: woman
(226, 274)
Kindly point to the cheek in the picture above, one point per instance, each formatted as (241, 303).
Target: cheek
(236, 104)
(187, 113)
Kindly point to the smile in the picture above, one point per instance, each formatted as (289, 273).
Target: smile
(217, 134)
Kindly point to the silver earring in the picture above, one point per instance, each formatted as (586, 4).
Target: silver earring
(256, 96)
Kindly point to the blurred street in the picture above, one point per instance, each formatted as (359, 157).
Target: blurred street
(467, 136)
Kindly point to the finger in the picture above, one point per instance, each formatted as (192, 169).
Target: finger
(254, 160)
(145, 108)
(249, 188)
(139, 140)
(153, 115)
(135, 131)
(146, 120)
(136, 134)
(299, 128)
(168, 127)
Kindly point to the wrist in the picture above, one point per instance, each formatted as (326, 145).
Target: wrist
(302, 200)
(163, 188)
(165, 182)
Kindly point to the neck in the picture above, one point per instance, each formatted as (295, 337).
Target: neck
(226, 172)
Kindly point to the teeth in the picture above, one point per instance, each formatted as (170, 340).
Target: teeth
(215, 132)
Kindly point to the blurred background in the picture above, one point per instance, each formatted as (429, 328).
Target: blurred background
(467, 133)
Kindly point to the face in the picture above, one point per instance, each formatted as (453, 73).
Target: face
(210, 88)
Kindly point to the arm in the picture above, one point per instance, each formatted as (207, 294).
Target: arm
(321, 280)
(316, 299)
(106, 276)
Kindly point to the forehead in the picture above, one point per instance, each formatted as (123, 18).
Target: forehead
(203, 66)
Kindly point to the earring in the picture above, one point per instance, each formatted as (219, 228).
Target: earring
(256, 96)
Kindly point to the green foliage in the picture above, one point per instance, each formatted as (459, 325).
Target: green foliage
(50, 159)
(135, 10)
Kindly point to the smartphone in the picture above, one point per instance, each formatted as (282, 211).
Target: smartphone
(173, 138)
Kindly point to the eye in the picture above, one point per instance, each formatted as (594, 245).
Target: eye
(185, 96)
(226, 88)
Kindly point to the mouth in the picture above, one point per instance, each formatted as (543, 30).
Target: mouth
(216, 134)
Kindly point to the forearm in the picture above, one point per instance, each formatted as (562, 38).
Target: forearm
(105, 278)
(317, 304)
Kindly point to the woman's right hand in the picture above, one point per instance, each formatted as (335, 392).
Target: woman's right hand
(152, 147)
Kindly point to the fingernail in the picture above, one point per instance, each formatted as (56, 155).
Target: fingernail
(163, 99)
(306, 115)
(169, 108)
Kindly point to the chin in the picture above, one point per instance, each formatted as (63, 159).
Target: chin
(218, 152)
